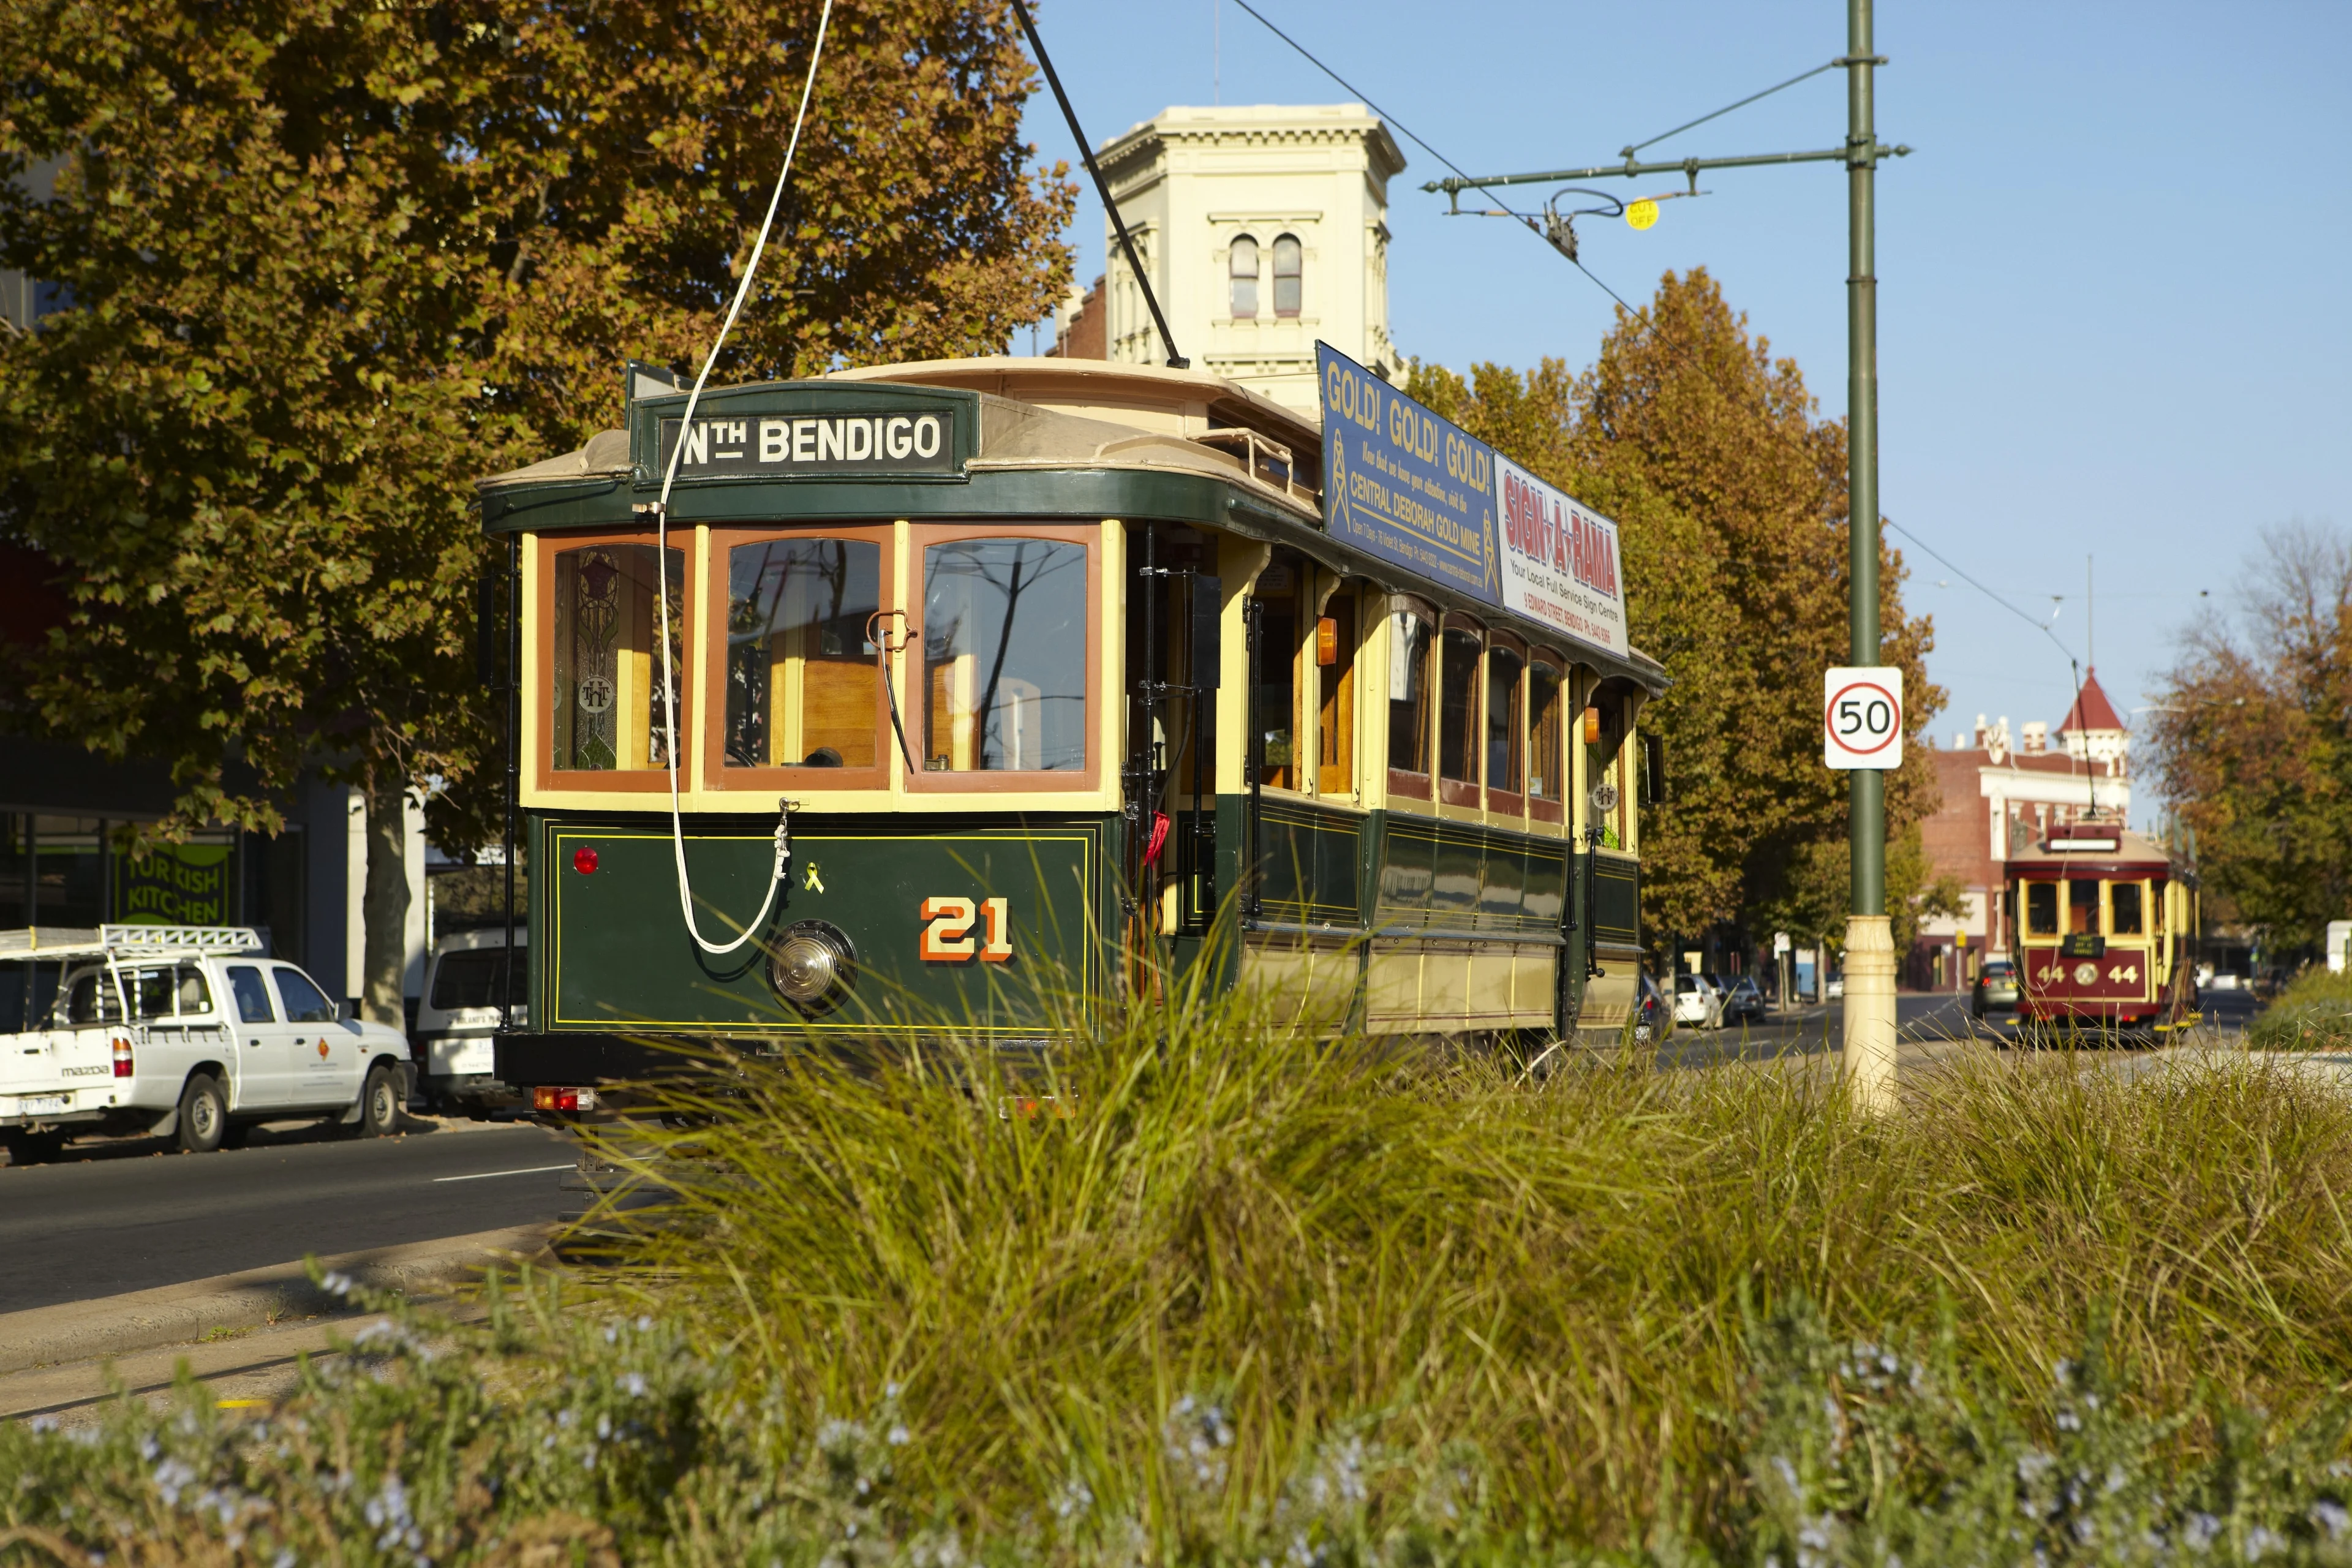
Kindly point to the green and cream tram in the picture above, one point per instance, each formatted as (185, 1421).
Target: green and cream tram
(1047, 666)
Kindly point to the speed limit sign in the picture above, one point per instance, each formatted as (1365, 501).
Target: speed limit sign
(1862, 717)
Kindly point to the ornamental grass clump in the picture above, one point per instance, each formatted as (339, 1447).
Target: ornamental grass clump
(1193, 1286)
(2313, 1013)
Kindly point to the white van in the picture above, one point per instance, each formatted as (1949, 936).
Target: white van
(186, 1032)
(457, 1019)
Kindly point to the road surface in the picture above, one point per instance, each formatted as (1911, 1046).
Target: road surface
(128, 1218)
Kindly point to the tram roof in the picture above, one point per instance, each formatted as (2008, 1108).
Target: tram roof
(1187, 447)
(2098, 848)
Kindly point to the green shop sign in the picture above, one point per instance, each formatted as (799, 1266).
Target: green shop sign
(177, 885)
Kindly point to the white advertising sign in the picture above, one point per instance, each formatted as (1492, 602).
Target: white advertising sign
(1862, 717)
(1560, 561)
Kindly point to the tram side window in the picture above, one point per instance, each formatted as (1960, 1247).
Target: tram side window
(1457, 707)
(2081, 907)
(2042, 909)
(1275, 675)
(1544, 776)
(606, 667)
(1505, 741)
(1335, 723)
(1004, 656)
(2124, 910)
(1412, 709)
(803, 685)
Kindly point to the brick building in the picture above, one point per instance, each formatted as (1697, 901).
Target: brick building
(2001, 795)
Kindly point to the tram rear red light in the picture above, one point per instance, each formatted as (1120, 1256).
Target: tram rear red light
(583, 859)
(548, 1096)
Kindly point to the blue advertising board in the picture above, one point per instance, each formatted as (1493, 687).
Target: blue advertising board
(1402, 484)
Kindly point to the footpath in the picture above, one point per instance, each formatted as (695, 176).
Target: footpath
(243, 1333)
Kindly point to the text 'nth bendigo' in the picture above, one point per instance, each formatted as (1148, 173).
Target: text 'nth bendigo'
(783, 446)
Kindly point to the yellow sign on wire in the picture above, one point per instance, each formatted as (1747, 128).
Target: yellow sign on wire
(1642, 214)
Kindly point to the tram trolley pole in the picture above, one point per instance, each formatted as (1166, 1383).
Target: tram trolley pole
(1869, 1008)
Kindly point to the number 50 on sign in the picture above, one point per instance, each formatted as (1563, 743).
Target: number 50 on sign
(1862, 717)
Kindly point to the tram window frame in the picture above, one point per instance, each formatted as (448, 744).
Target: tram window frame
(1500, 801)
(1334, 691)
(538, 701)
(1452, 788)
(2038, 922)
(718, 774)
(913, 686)
(1550, 809)
(1408, 782)
(2087, 910)
(1605, 759)
(2138, 892)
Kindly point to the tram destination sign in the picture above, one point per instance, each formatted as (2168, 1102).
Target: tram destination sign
(1560, 561)
(814, 444)
(1401, 483)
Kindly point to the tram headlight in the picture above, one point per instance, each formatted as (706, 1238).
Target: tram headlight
(812, 967)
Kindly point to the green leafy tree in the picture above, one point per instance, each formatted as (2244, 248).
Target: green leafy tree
(2253, 739)
(1731, 500)
(330, 262)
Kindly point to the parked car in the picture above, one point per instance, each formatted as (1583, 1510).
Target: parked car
(1995, 990)
(1744, 1002)
(1652, 1019)
(457, 1020)
(188, 1033)
(1697, 1002)
(1834, 988)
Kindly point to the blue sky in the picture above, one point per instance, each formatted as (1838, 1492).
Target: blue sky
(2115, 318)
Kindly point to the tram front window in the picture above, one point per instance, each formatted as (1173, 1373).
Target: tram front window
(804, 687)
(606, 666)
(2124, 916)
(1004, 656)
(2082, 908)
(2042, 909)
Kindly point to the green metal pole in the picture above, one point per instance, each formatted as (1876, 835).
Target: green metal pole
(1868, 1047)
(1868, 801)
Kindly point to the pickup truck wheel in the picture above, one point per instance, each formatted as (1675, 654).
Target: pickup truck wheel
(203, 1116)
(379, 1102)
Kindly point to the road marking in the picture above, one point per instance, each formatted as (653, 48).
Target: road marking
(486, 1175)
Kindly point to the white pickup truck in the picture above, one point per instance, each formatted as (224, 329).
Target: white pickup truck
(176, 1031)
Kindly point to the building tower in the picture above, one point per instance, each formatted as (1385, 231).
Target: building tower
(1264, 227)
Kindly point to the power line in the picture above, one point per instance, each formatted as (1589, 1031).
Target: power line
(1676, 349)
(1728, 108)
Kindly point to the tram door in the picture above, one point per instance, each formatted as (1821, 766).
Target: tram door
(1173, 664)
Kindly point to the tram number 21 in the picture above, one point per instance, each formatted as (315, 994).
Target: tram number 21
(947, 930)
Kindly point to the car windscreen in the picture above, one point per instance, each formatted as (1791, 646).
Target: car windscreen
(470, 978)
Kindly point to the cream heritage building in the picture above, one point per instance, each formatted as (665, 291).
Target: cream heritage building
(1264, 227)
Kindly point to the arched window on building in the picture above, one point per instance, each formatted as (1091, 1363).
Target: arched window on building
(1242, 268)
(1286, 267)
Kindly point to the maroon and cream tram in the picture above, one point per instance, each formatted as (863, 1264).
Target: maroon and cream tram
(2103, 930)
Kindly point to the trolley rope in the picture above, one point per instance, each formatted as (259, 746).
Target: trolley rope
(661, 545)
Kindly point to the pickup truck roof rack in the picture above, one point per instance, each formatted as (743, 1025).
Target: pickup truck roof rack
(126, 940)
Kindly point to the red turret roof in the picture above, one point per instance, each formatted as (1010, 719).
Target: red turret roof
(2092, 710)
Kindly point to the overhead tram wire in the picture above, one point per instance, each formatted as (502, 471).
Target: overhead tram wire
(661, 531)
(1102, 188)
(1309, 55)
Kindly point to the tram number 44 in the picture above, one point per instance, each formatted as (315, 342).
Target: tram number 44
(948, 935)
(2125, 974)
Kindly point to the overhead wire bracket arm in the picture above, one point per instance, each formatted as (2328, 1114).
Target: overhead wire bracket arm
(1635, 170)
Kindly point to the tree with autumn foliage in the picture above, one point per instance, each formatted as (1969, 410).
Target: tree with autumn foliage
(1730, 497)
(330, 262)
(2252, 739)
